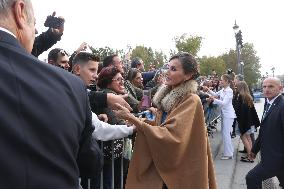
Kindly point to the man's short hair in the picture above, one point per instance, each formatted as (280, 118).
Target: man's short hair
(84, 57)
(135, 62)
(108, 60)
(53, 54)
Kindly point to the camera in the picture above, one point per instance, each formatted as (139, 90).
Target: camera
(53, 22)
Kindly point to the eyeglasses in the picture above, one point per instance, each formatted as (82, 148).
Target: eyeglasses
(119, 79)
(63, 52)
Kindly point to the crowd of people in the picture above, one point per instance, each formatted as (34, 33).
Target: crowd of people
(77, 115)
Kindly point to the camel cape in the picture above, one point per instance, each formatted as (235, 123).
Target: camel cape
(176, 153)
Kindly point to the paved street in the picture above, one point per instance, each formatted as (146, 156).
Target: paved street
(231, 173)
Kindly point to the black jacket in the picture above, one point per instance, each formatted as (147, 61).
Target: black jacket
(45, 123)
(271, 137)
(44, 41)
(246, 116)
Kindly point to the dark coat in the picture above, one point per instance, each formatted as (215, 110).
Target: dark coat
(270, 140)
(44, 41)
(45, 123)
(246, 116)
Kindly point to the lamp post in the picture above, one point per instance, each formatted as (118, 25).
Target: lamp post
(242, 67)
(273, 69)
(239, 45)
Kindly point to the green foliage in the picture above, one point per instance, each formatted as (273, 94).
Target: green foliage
(102, 52)
(230, 60)
(149, 56)
(251, 64)
(207, 64)
(190, 44)
(250, 60)
(106, 51)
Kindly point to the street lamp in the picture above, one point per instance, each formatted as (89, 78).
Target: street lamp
(239, 45)
(273, 69)
(242, 67)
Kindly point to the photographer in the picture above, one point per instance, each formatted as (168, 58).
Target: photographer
(50, 37)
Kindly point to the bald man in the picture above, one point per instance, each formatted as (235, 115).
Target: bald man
(270, 141)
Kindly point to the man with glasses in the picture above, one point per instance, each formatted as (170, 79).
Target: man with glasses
(59, 57)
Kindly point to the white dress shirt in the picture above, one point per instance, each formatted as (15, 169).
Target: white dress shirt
(7, 31)
(104, 131)
(225, 101)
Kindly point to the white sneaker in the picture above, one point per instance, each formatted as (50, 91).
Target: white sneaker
(226, 157)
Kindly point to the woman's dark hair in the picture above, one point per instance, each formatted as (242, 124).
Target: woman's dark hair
(188, 62)
(132, 74)
(105, 76)
(108, 60)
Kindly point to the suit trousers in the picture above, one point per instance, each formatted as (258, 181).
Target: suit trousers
(227, 140)
(259, 173)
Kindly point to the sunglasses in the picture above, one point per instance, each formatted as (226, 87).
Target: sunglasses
(63, 53)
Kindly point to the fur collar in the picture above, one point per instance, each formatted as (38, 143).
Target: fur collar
(165, 99)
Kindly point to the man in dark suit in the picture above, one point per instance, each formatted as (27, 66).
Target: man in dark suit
(270, 141)
(45, 118)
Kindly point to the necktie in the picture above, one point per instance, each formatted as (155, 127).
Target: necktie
(266, 109)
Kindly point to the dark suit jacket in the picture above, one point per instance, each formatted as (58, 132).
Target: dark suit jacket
(270, 141)
(45, 123)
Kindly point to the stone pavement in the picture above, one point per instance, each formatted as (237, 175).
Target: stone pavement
(230, 174)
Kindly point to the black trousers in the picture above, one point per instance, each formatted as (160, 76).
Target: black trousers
(259, 173)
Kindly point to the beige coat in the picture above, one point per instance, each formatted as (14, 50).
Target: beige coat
(176, 152)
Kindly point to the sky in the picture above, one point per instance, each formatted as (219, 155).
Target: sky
(154, 23)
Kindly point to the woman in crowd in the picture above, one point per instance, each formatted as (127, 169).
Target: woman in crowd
(247, 117)
(172, 152)
(156, 82)
(135, 78)
(224, 98)
(110, 80)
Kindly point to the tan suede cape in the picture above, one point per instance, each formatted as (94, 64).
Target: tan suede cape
(176, 153)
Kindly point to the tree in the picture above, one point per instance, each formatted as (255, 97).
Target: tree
(207, 64)
(250, 60)
(103, 52)
(230, 60)
(190, 44)
(251, 64)
(149, 56)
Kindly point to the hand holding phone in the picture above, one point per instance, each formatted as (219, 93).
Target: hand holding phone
(146, 99)
(54, 22)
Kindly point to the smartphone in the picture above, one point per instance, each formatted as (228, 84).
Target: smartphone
(146, 99)
(53, 22)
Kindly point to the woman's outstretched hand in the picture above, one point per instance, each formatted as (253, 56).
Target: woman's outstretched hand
(123, 113)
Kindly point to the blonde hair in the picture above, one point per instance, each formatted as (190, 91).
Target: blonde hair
(243, 90)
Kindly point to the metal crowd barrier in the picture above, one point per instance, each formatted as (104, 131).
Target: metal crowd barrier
(112, 168)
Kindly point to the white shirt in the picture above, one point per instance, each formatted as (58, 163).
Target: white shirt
(225, 102)
(270, 102)
(7, 31)
(104, 131)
